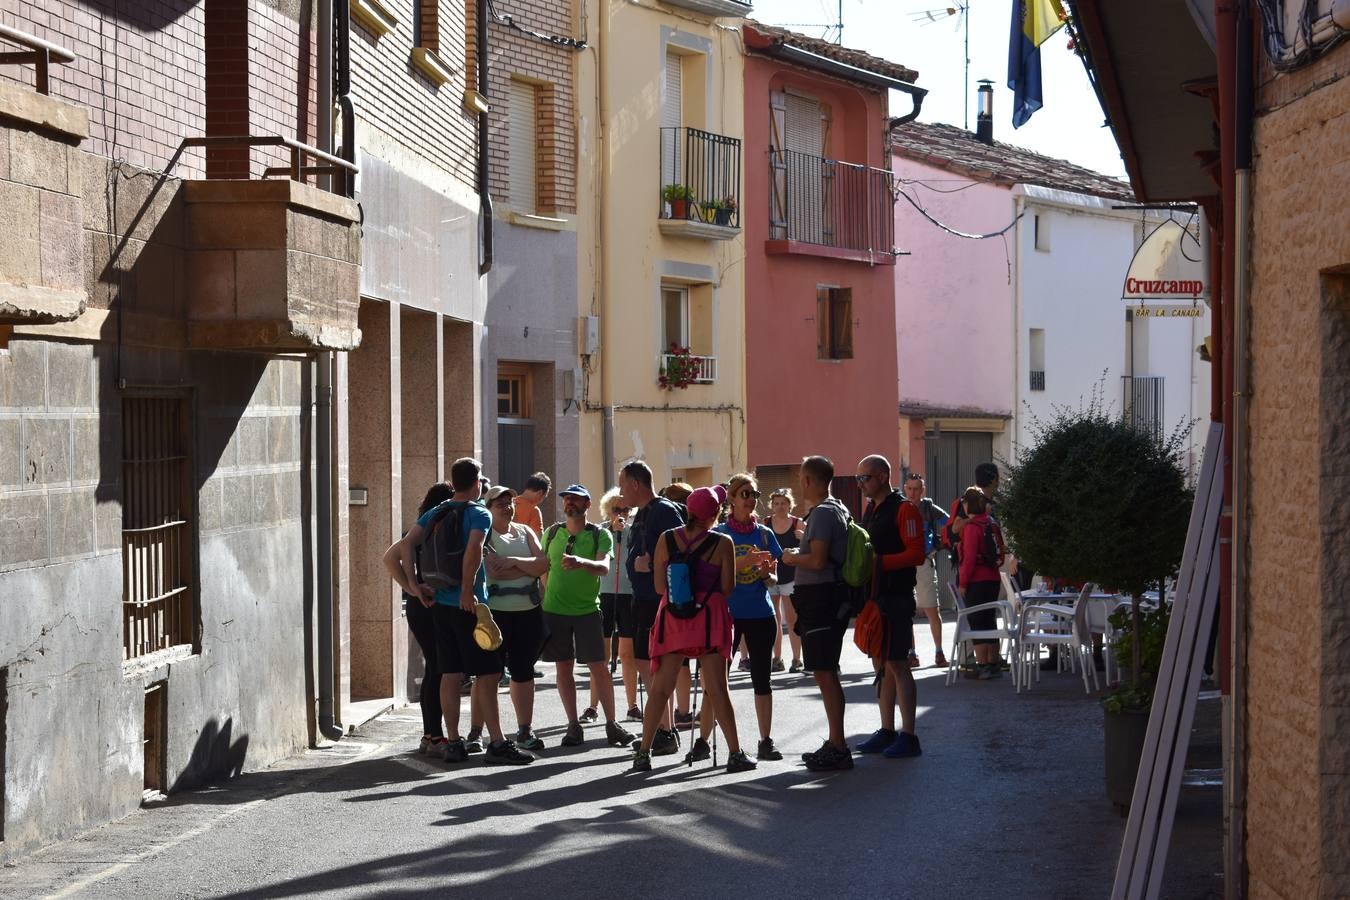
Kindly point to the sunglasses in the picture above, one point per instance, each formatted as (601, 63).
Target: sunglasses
(620, 511)
(748, 494)
(863, 479)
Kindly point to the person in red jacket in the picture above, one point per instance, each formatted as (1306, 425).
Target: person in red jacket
(897, 530)
(978, 576)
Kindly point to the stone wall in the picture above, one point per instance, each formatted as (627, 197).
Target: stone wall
(1298, 797)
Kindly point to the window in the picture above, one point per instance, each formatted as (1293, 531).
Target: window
(157, 536)
(513, 391)
(523, 151)
(834, 323)
(672, 120)
(1040, 224)
(674, 317)
(1036, 356)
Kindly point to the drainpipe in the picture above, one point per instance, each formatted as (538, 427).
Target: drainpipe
(1240, 273)
(606, 377)
(484, 192)
(1019, 206)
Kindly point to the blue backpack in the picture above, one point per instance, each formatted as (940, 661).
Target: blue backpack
(681, 601)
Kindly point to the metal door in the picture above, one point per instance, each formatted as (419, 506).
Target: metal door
(515, 453)
(952, 458)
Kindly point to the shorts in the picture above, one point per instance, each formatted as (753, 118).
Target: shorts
(580, 638)
(623, 613)
(644, 618)
(926, 590)
(456, 651)
(781, 590)
(522, 639)
(823, 612)
(899, 613)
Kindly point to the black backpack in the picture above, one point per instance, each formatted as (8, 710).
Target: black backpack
(440, 556)
(990, 552)
(591, 528)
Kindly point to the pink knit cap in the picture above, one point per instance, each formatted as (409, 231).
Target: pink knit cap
(706, 501)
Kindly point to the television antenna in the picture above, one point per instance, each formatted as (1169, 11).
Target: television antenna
(961, 11)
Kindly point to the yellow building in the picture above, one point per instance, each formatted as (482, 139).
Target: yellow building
(659, 239)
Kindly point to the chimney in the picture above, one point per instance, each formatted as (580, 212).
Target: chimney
(984, 116)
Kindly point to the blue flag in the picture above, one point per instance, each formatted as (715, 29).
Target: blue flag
(1033, 21)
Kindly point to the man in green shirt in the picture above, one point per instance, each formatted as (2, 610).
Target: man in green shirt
(578, 558)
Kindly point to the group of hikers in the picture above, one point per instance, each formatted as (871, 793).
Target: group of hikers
(665, 580)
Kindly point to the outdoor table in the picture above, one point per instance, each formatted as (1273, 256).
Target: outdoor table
(1068, 598)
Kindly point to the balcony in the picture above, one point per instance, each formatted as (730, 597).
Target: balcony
(823, 207)
(41, 192)
(714, 8)
(690, 369)
(700, 184)
(1143, 403)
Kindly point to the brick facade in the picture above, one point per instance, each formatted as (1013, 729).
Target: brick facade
(1298, 689)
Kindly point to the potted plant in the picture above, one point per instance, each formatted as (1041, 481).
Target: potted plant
(1097, 499)
(1127, 709)
(709, 209)
(679, 368)
(723, 210)
(679, 197)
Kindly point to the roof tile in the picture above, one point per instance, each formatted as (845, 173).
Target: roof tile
(857, 58)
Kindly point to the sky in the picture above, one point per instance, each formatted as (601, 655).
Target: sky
(1068, 126)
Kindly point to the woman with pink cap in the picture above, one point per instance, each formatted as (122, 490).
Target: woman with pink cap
(694, 571)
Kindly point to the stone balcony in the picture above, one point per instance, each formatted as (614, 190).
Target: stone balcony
(42, 278)
(274, 264)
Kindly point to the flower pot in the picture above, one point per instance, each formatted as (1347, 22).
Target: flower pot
(1123, 744)
(679, 209)
(722, 217)
(707, 213)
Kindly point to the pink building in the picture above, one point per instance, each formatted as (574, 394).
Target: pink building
(820, 254)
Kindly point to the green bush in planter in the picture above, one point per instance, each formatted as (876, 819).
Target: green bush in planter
(1097, 499)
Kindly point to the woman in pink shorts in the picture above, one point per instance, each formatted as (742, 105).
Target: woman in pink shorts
(705, 635)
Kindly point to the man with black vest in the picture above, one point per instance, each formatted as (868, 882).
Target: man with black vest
(897, 531)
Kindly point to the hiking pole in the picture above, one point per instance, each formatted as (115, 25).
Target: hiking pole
(693, 712)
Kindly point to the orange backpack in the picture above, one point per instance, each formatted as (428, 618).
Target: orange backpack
(869, 631)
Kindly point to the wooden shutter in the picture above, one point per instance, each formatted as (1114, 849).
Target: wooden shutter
(672, 119)
(822, 323)
(778, 209)
(524, 138)
(841, 323)
(802, 133)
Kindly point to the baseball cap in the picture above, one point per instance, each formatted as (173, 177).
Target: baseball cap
(575, 490)
(496, 491)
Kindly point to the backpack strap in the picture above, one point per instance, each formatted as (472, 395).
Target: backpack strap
(594, 530)
(549, 535)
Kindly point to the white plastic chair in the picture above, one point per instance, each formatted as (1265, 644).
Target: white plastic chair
(964, 633)
(1046, 625)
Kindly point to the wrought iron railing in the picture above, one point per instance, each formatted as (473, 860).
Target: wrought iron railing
(705, 367)
(831, 203)
(700, 177)
(1037, 380)
(1143, 402)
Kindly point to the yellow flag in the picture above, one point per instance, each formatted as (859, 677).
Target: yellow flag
(1040, 19)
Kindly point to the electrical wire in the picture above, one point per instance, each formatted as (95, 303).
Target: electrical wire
(961, 234)
(1286, 56)
(510, 22)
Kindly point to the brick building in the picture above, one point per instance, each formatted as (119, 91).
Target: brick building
(1228, 106)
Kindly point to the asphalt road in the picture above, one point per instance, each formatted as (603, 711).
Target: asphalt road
(1006, 802)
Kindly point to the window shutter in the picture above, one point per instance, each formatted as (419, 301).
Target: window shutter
(672, 118)
(822, 323)
(778, 165)
(805, 190)
(842, 325)
(524, 138)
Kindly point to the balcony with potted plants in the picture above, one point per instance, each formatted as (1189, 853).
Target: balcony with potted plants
(700, 184)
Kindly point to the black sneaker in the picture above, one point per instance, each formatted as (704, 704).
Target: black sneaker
(455, 751)
(474, 742)
(574, 737)
(683, 720)
(768, 752)
(739, 762)
(526, 739)
(828, 758)
(505, 753)
(642, 761)
(666, 743)
(634, 714)
(589, 714)
(699, 752)
(617, 735)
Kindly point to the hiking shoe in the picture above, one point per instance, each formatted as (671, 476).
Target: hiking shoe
(455, 752)
(505, 682)
(739, 762)
(778, 665)
(431, 745)
(642, 761)
(574, 736)
(526, 739)
(767, 751)
(505, 753)
(683, 720)
(939, 661)
(474, 742)
(914, 660)
(617, 735)
(828, 758)
(699, 752)
(906, 745)
(795, 667)
(634, 714)
(879, 741)
(466, 687)
(989, 673)
(744, 664)
(589, 714)
(666, 743)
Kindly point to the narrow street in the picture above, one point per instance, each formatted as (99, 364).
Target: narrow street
(1007, 802)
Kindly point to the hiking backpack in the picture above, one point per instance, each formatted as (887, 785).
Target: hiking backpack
(681, 600)
(990, 552)
(440, 557)
(591, 528)
(859, 559)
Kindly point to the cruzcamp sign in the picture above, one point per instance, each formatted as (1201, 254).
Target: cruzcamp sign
(1166, 276)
